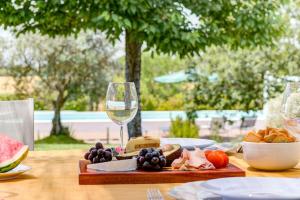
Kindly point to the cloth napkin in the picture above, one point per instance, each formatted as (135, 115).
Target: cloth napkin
(227, 147)
(192, 191)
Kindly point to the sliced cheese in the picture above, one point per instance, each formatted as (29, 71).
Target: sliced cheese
(117, 165)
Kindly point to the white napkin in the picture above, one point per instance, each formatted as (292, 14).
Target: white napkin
(192, 191)
(227, 147)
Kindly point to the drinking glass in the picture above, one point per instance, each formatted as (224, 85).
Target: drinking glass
(121, 104)
(290, 108)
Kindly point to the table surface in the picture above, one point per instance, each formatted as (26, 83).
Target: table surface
(54, 175)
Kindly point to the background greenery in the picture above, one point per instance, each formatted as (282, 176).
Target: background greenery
(183, 129)
(154, 95)
(159, 26)
(222, 75)
(242, 76)
(240, 72)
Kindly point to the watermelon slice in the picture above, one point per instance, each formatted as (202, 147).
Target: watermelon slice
(12, 153)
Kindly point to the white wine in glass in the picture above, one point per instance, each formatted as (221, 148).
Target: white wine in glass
(121, 104)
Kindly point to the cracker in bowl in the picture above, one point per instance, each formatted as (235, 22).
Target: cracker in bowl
(270, 135)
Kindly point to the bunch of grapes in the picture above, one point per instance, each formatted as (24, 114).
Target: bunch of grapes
(98, 154)
(151, 159)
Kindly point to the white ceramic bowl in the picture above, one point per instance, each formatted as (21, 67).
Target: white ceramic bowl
(271, 156)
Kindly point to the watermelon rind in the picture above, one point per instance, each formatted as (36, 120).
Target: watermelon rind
(15, 160)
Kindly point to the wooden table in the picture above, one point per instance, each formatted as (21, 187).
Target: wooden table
(54, 175)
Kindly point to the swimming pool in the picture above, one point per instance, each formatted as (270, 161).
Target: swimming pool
(67, 116)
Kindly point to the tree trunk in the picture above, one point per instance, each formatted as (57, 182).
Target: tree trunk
(133, 74)
(57, 127)
(91, 105)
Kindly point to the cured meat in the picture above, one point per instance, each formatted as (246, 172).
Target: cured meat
(199, 161)
(192, 160)
(179, 162)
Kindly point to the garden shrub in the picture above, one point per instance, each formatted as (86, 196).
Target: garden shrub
(79, 104)
(149, 103)
(183, 128)
(175, 102)
(8, 97)
(38, 104)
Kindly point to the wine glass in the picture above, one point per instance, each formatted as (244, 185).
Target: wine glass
(121, 104)
(290, 108)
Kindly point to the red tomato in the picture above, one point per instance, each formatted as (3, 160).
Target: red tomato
(218, 158)
(207, 152)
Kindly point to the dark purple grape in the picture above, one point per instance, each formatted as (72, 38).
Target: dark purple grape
(94, 152)
(91, 157)
(147, 165)
(99, 145)
(143, 152)
(160, 151)
(152, 159)
(100, 152)
(96, 160)
(91, 149)
(86, 155)
(155, 154)
(155, 160)
(162, 161)
(108, 156)
(156, 167)
(148, 157)
(141, 160)
(150, 150)
(102, 160)
(108, 149)
(161, 157)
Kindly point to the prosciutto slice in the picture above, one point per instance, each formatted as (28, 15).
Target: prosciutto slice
(192, 160)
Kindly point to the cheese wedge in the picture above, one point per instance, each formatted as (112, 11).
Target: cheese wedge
(136, 144)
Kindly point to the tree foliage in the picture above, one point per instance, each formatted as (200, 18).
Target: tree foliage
(243, 79)
(231, 80)
(164, 26)
(61, 69)
(160, 96)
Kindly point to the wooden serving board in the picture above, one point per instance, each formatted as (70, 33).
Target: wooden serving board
(93, 177)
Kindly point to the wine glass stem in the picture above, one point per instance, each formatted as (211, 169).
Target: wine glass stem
(121, 136)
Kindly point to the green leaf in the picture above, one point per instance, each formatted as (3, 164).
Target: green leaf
(127, 23)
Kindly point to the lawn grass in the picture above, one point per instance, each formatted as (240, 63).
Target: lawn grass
(47, 147)
(59, 139)
(62, 142)
(59, 142)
